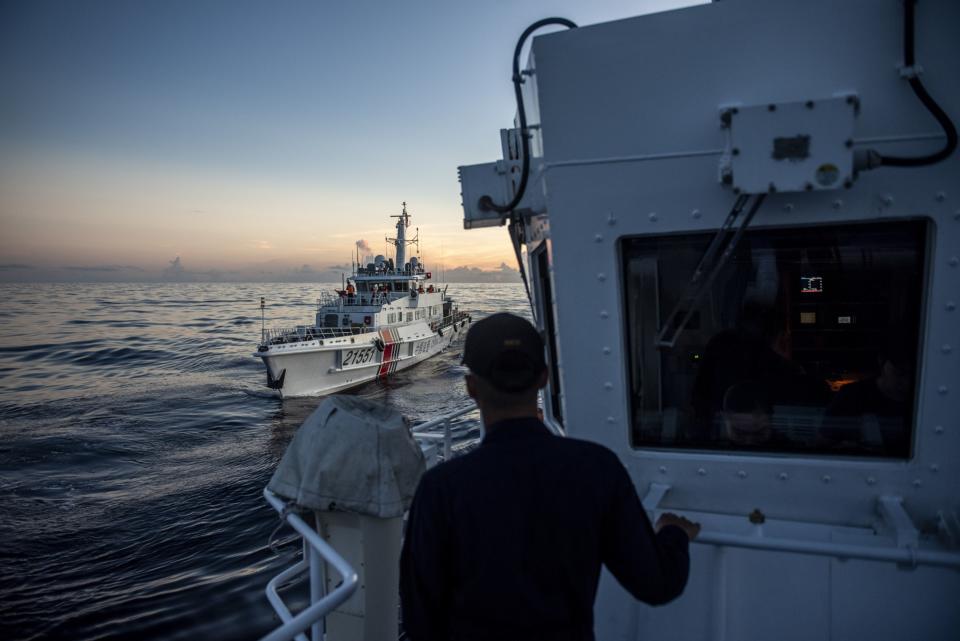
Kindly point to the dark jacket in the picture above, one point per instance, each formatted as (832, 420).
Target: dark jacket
(506, 542)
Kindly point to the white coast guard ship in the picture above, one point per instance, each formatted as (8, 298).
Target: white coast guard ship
(389, 316)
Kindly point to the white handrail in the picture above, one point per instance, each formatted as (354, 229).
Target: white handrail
(294, 626)
(421, 431)
(908, 555)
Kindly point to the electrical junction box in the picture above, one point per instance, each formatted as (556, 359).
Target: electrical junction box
(793, 146)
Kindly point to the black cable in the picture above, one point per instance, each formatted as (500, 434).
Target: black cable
(928, 102)
(486, 203)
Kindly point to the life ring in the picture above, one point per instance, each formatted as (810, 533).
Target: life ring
(379, 344)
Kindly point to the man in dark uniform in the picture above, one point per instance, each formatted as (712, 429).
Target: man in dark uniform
(506, 542)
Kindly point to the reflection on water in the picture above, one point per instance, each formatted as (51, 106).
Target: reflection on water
(136, 435)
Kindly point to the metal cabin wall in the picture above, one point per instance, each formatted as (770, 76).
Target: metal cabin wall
(653, 85)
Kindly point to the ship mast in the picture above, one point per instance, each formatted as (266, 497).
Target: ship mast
(401, 242)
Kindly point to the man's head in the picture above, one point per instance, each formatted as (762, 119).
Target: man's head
(505, 355)
(747, 413)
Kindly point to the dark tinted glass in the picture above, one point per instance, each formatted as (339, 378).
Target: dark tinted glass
(807, 341)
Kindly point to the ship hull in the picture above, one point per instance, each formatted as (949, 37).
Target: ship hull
(319, 367)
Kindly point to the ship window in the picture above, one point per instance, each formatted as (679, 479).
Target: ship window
(409, 316)
(806, 341)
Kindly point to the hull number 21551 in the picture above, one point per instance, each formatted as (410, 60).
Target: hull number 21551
(355, 357)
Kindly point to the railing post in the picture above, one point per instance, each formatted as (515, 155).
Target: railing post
(318, 581)
(447, 440)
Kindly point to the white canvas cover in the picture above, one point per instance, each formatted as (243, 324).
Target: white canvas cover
(351, 455)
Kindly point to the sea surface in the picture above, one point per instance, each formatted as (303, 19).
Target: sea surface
(136, 437)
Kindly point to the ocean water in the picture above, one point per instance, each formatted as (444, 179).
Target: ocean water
(136, 436)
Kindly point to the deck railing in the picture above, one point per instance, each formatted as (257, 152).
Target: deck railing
(310, 333)
(316, 553)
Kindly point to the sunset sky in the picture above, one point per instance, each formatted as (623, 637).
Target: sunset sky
(245, 136)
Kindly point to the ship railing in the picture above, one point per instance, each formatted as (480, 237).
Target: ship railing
(445, 428)
(360, 299)
(317, 553)
(308, 333)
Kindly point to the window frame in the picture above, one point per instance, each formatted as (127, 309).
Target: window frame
(926, 249)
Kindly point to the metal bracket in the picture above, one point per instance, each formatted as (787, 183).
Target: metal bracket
(655, 494)
(896, 517)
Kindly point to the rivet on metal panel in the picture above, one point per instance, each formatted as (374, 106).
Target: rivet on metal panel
(954, 261)
(696, 214)
(917, 482)
(757, 517)
(772, 188)
(942, 390)
(956, 215)
(951, 305)
(826, 478)
(701, 472)
(606, 351)
(771, 107)
(847, 184)
(742, 474)
(610, 419)
(603, 314)
(601, 277)
(653, 217)
(608, 386)
(735, 151)
(611, 219)
(887, 200)
(808, 104)
(848, 143)
(808, 186)
(663, 469)
(788, 207)
(941, 196)
(946, 348)
(783, 476)
(871, 480)
(598, 238)
(837, 204)
(934, 468)
(938, 429)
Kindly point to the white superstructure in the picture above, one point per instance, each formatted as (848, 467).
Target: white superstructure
(836, 516)
(389, 316)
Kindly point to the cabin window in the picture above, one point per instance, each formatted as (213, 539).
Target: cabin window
(409, 316)
(806, 341)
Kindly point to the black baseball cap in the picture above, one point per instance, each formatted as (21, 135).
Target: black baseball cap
(506, 351)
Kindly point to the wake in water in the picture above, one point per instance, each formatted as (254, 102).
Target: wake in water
(137, 435)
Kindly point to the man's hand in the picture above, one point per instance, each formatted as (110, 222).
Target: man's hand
(690, 528)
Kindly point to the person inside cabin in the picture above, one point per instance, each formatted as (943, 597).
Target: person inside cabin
(420, 289)
(756, 349)
(350, 290)
(507, 541)
(874, 412)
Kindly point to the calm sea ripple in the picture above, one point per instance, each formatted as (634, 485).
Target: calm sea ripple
(136, 436)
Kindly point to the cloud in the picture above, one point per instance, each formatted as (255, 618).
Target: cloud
(102, 268)
(264, 244)
(467, 274)
(15, 266)
(176, 272)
